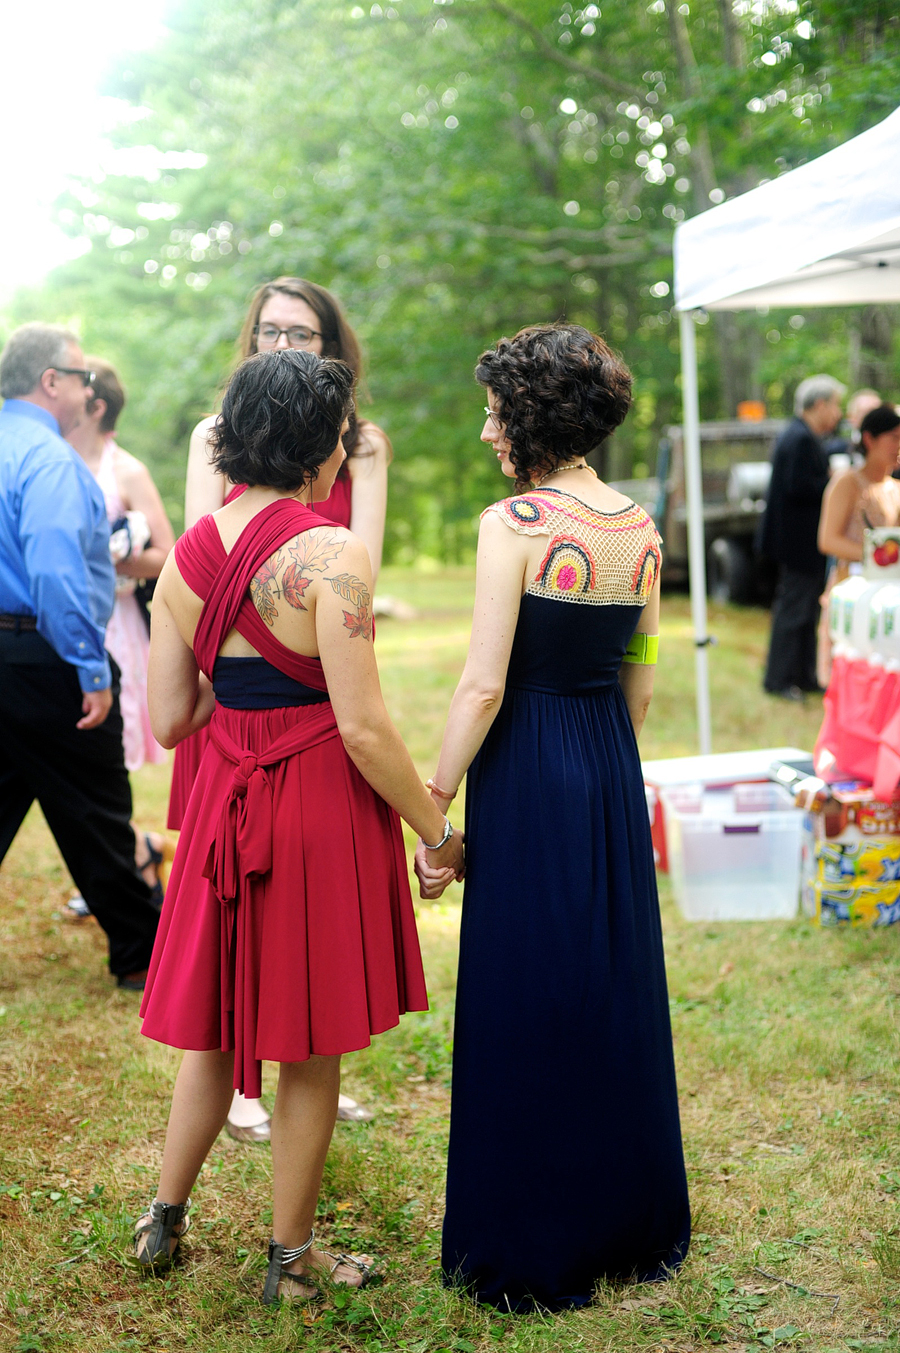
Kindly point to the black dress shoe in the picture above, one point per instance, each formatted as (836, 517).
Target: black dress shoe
(132, 981)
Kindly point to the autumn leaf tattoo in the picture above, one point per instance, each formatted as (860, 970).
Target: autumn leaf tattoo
(354, 590)
(315, 550)
(293, 586)
(264, 587)
(311, 552)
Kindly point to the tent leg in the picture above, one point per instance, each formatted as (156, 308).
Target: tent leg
(696, 532)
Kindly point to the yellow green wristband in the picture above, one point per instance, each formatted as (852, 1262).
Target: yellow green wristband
(642, 648)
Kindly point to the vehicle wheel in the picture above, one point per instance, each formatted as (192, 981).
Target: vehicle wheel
(729, 572)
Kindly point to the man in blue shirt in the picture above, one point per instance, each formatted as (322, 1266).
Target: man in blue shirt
(62, 742)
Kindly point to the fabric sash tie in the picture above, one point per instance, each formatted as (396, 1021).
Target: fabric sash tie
(239, 860)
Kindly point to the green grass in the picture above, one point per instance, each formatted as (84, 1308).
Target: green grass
(787, 1045)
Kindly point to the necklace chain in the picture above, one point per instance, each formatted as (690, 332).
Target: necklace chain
(561, 469)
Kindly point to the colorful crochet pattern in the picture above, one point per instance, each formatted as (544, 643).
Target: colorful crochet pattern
(601, 558)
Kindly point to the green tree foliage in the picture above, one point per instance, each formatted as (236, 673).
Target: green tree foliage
(453, 171)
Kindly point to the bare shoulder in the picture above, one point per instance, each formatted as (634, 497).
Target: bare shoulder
(374, 451)
(130, 470)
(326, 562)
(610, 499)
(204, 428)
(844, 486)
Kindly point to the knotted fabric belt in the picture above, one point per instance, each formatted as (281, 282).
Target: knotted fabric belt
(240, 858)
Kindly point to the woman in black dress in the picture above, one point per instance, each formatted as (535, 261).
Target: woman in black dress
(565, 1162)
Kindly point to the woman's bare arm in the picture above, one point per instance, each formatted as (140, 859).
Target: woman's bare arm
(838, 502)
(368, 505)
(636, 678)
(343, 615)
(499, 580)
(141, 494)
(205, 490)
(180, 698)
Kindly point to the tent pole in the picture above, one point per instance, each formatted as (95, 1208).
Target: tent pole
(696, 532)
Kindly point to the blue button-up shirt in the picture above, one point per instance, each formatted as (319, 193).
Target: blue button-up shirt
(54, 540)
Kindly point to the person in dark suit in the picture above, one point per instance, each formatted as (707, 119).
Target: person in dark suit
(789, 536)
(59, 703)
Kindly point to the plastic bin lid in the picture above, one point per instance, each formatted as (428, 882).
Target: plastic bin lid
(722, 769)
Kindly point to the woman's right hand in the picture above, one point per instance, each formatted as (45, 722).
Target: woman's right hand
(437, 869)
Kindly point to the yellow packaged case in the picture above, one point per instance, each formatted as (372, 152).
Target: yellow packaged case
(857, 906)
(874, 860)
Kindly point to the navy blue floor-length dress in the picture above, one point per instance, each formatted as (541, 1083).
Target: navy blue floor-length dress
(565, 1161)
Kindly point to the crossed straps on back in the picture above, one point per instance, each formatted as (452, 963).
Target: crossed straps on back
(223, 582)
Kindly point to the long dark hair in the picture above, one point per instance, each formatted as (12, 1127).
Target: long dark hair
(338, 339)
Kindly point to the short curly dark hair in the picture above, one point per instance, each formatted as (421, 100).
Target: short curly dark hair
(559, 389)
(281, 418)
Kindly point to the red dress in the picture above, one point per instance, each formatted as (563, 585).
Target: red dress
(288, 927)
(336, 509)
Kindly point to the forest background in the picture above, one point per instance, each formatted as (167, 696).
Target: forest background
(454, 170)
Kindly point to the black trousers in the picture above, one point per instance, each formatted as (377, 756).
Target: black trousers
(80, 781)
(795, 619)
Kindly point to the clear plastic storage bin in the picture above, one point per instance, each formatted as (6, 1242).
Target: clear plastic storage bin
(738, 857)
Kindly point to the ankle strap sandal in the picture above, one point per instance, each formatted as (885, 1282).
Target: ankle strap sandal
(282, 1285)
(155, 1231)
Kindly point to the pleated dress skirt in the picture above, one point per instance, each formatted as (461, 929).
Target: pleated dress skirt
(318, 951)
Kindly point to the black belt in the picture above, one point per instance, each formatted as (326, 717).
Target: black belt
(18, 623)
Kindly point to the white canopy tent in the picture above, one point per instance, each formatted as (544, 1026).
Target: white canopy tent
(827, 233)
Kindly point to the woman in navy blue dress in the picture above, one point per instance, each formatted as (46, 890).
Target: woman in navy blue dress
(566, 1163)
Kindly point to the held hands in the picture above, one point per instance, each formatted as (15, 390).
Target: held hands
(436, 869)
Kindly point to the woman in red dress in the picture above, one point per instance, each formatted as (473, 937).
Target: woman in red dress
(287, 932)
(290, 312)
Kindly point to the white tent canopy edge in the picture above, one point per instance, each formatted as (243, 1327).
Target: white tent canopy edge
(826, 233)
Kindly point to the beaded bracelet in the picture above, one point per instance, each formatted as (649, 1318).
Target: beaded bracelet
(448, 832)
(443, 793)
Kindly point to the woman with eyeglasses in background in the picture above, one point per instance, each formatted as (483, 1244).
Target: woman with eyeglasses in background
(290, 312)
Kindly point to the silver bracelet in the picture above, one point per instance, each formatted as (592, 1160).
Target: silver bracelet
(448, 832)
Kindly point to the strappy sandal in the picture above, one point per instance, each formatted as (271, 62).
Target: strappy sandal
(281, 1285)
(371, 1277)
(155, 1231)
(155, 858)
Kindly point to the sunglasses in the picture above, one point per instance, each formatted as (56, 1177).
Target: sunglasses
(87, 377)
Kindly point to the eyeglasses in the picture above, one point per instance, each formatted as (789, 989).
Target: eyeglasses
(87, 377)
(298, 336)
(494, 417)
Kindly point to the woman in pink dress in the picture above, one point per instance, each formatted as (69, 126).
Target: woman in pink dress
(291, 312)
(288, 932)
(140, 541)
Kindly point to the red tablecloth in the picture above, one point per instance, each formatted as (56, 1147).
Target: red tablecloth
(861, 729)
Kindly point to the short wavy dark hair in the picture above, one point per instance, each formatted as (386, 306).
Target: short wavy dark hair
(281, 418)
(560, 390)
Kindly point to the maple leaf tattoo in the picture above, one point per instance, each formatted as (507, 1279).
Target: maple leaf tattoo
(263, 584)
(315, 551)
(359, 625)
(293, 587)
